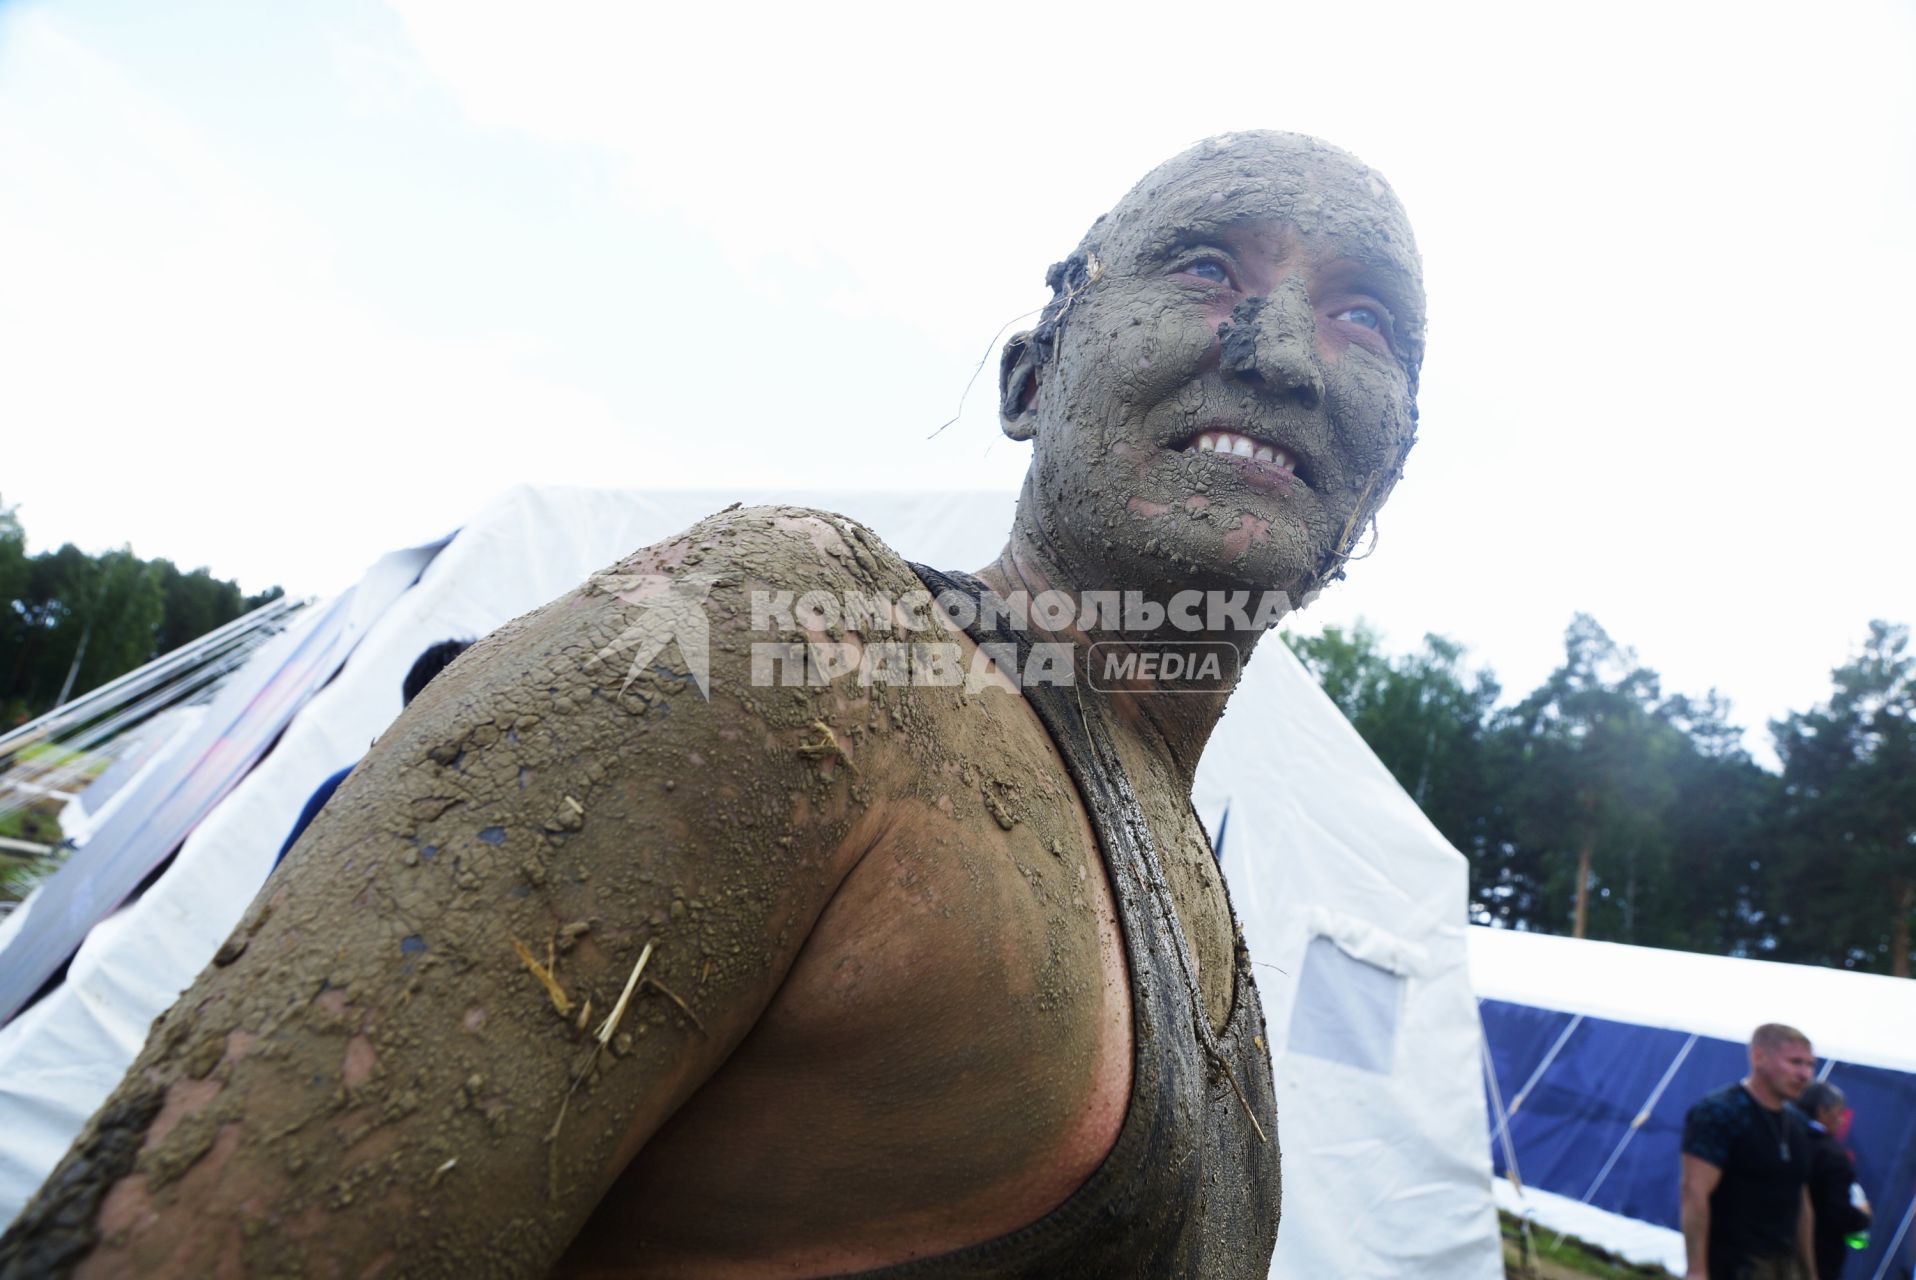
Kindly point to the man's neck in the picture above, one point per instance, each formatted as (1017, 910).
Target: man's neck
(1766, 1097)
(1168, 721)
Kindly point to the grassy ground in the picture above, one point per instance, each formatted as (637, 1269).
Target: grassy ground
(46, 755)
(38, 821)
(19, 872)
(1566, 1259)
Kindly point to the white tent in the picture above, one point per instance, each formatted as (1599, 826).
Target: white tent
(1599, 1048)
(1352, 903)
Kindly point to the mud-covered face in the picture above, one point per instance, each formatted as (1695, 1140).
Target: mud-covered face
(1232, 392)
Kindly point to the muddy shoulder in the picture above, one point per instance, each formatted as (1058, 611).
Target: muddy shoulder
(553, 897)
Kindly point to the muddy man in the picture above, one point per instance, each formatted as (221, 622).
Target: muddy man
(740, 914)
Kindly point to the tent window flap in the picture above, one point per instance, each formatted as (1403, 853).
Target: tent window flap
(1346, 1009)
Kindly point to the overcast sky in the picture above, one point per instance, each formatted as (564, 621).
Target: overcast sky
(285, 285)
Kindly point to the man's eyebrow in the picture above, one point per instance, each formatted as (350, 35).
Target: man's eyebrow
(1389, 282)
(1188, 233)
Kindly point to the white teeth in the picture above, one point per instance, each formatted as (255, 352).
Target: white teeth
(1243, 447)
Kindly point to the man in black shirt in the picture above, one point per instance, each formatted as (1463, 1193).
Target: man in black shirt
(1746, 1166)
(1838, 1203)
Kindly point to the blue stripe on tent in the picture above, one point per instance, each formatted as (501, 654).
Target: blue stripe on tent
(1584, 1103)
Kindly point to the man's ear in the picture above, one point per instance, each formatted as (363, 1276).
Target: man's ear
(1018, 388)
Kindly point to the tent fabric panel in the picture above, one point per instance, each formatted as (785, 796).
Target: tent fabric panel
(1883, 1140)
(1387, 1175)
(1582, 1106)
(1382, 1182)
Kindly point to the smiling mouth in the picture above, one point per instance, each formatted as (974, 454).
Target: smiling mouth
(1233, 444)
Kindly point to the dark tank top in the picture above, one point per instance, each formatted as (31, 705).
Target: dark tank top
(1191, 1187)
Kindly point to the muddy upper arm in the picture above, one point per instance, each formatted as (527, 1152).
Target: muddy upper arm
(374, 1066)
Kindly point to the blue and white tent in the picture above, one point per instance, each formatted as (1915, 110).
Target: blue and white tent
(1595, 1050)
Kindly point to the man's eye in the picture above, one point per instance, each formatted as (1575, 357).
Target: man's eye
(1368, 317)
(1208, 269)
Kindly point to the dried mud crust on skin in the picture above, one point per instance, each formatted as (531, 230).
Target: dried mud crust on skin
(959, 981)
(57, 1229)
(1128, 365)
(369, 1027)
(1121, 374)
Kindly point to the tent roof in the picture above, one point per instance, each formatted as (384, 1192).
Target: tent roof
(1863, 1018)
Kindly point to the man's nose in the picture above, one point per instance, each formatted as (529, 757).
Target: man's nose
(1271, 343)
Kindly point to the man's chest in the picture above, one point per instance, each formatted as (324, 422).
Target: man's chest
(977, 950)
(953, 1042)
(992, 852)
(1765, 1145)
(980, 924)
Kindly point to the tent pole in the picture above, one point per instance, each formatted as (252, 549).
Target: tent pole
(1527, 1250)
(1642, 1116)
(1548, 1058)
(1889, 1254)
(121, 688)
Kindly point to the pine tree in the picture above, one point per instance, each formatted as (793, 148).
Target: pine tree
(1848, 814)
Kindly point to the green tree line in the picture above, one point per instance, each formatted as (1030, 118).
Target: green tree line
(72, 621)
(1599, 806)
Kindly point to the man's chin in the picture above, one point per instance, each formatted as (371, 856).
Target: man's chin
(1268, 588)
(1171, 553)
(1256, 570)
